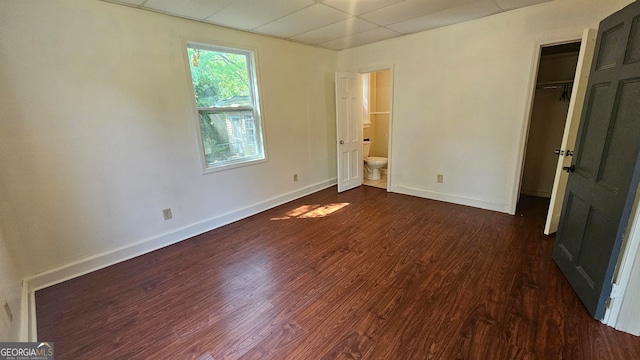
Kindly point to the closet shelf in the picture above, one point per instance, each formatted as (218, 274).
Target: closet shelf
(379, 113)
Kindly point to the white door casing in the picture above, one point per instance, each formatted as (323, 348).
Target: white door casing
(580, 81)
(349, 130)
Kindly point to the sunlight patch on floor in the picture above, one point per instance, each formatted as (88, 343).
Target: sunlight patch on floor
(312, 211)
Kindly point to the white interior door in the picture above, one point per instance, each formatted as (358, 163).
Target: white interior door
(571, 129)
(349, 130)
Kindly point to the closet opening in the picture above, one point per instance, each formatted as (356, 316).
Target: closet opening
(549, 122)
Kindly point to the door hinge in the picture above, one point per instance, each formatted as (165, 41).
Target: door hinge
(616, 291)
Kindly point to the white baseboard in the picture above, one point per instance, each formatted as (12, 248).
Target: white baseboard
(54, 276)
(455, 199)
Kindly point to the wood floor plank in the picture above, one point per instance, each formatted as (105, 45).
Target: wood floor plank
(363, 274)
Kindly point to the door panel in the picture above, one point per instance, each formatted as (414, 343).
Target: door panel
(624, 129)
(573, 227)
(633, 53)
(601, 191)
(349, 130)
(613, 40)
(589, 151)
(592, 248)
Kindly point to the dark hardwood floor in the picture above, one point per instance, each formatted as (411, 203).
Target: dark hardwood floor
(361, 275)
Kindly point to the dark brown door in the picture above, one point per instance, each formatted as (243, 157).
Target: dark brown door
(605, 171)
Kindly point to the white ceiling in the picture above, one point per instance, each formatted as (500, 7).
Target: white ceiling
(331, 24)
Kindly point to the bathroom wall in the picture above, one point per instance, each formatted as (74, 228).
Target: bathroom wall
(380, 97)
(548, 119)
(381, 145)
(382, 93)
(370, 132)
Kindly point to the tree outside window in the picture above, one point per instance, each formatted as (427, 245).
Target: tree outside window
(225, 93)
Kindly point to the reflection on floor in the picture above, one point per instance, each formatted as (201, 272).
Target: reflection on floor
(382, 183)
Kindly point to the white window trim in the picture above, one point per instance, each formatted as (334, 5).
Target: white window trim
(254, 90)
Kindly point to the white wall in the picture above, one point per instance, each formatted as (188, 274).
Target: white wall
(97, 134)
(461, 97)
(10, 293)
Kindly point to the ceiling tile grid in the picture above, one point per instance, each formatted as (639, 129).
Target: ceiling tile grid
(466, 12)
(307, 19)
(331, 24)
(251, 14)
(334, 31)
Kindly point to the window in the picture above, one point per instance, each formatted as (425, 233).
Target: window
(226, 97)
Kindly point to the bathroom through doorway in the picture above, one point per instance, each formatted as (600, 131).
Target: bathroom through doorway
(376, 127)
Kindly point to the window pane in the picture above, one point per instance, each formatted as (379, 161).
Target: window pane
(220, 79)
(226, 93)
(229, 136)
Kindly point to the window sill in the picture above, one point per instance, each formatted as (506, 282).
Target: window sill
(228, 165)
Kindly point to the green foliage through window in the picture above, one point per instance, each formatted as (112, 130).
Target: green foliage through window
(224, 88)
(218, 76)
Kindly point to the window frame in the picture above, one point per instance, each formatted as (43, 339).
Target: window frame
(254, 107)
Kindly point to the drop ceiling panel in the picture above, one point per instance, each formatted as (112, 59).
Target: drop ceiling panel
(307, 19)
(410, 9)
(250, 14)
(354, 7)
(195, 9)
(459, 14)
(514, 4)
(377, 34)
(332, 24)
(335, 31)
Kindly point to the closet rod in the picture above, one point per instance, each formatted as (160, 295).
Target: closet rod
(554, 84)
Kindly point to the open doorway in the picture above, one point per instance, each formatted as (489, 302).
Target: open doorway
(376, 127)
(552, 97)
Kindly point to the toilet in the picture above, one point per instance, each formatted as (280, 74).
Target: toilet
(372, 164)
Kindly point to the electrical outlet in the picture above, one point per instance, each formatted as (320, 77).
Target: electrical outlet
(440, 178)
(295, 177)
(7, 309)
(167, 214)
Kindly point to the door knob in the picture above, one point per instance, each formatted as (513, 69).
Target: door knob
(341, 142)
(569, 153)
(569, 169)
